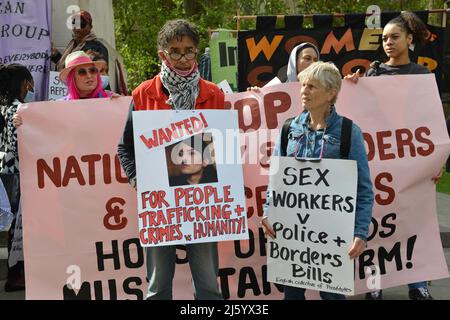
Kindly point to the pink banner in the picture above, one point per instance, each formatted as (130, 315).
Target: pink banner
(79, 212)
(407, 144)
(80, 217)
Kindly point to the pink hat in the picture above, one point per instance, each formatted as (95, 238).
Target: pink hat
(75, 59)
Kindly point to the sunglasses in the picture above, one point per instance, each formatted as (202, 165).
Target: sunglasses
(82, 72)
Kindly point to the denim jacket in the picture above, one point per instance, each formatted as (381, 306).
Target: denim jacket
(306, 143)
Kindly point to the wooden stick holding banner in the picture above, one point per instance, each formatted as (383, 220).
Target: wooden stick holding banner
(312, 211)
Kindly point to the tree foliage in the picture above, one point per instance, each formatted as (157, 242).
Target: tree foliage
(137, 22)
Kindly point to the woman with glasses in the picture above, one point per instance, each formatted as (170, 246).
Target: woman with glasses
(16, 87)
(317, 133)
(177, 87)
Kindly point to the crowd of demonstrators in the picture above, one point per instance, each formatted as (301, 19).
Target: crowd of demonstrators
(399, 35)
(16, 87)
(315, 133)
(180, 85)
(177, 87)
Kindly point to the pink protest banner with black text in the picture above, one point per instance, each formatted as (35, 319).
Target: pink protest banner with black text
(407, 144)
(79, 226)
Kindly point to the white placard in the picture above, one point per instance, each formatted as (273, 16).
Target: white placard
(312, 211)
(56, 89)
(181, 201)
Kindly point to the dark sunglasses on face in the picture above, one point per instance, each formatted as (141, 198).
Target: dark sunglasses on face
(83, 72)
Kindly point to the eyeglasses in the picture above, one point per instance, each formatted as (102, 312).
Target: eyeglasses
(311, 159)
(82, 72)
(177, 56)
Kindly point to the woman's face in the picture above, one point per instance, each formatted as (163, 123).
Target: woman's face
(189, 159)
(305, 58)
(395, 41)
(176, 47)
(315, 97)
(86, 78)
(104, 69)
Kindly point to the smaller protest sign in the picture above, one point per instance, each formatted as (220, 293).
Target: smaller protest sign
(312, 211)
(56, 89)
(184, 194)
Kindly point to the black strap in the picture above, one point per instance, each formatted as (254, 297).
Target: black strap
(284, 136)
(346, 137)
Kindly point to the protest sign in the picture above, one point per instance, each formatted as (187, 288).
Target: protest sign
(193, 197)
(79, 212)
(407, 144)
(56, 89)
(312, 211)
(25, 39)
(224, 63)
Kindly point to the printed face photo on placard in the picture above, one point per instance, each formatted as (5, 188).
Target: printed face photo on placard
(191, 161)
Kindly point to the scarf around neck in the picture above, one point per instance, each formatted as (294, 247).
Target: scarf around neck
(183, 91)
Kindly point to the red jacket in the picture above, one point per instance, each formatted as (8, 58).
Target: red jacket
(150, 96)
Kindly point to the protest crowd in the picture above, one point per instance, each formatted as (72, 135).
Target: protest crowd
(332, 135)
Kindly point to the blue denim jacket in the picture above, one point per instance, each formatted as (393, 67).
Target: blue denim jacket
(306, 143)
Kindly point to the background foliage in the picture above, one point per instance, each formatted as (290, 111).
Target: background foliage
(137, 22)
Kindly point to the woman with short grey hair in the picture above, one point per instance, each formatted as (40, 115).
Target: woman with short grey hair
(318, 132)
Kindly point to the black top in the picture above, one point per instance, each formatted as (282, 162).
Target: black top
(209, 176)
(383, 69)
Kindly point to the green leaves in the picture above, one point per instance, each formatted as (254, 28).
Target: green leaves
(137, 22)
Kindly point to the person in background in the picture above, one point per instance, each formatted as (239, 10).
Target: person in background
(301, 57)
(83, 39)
(177, 87)
(16, 87)
(204, 65)
(317, 133)
(399, 35)
(104, 69)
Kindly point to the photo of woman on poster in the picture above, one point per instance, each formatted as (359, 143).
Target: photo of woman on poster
(190, 161)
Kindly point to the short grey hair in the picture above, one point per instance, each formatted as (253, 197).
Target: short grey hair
(326, 73)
